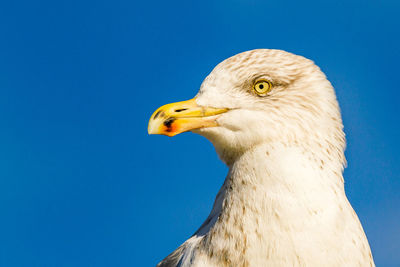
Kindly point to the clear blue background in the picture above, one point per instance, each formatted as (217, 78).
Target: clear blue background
(81, 182)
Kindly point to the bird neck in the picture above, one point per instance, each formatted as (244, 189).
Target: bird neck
(274, 198)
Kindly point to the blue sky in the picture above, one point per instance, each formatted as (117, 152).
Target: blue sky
(81, 182)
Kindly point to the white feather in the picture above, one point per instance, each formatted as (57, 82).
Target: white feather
(283, 202)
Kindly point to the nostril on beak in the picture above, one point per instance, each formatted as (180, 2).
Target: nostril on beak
(180, 110)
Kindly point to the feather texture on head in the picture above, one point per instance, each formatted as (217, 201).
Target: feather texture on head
(283, 201)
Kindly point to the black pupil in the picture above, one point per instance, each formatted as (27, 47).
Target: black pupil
(261, 86)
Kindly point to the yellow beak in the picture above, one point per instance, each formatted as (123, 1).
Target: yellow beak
(175, 118)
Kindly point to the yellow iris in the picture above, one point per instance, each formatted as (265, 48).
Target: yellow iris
(262, 87)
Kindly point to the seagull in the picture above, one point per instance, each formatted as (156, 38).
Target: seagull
(274, 120)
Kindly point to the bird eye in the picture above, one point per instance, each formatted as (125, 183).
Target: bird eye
(262, 87)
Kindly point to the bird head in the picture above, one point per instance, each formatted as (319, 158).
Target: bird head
(256, 97)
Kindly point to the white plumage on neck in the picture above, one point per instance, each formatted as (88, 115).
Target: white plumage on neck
(283, 202)
(278, 208)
